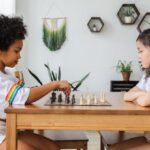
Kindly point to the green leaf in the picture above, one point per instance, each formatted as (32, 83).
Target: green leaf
(37, 79)
(53, 75)
(49, 72)
(80, 82)
(59, 73)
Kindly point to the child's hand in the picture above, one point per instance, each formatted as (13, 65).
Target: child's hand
(65, 87)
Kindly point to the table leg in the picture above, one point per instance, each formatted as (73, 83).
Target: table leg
(11, 132)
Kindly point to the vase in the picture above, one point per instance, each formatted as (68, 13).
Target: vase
(126, 76)
(128, 19)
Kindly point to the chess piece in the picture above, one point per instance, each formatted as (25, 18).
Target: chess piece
(95, 99)
(53, 97)
(67, 99)
(81, 100)
(88, 98)
(59, 98)
(102, 97)
(73, 99)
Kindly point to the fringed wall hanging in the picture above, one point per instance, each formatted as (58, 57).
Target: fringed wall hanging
(54, 32)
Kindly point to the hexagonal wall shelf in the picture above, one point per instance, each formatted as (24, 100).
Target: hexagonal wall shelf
(95, 24)
(128, 14)
(144, 23)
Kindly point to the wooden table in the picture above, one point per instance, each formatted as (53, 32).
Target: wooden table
(120, 116)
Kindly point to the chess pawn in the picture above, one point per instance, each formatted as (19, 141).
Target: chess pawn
(95, 99)
(73, 99)
(102, 97)
(88, 99)
(67, 100)
(53, 97)
(81, 100)
(60, 98)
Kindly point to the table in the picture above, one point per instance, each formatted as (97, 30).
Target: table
(120, 116)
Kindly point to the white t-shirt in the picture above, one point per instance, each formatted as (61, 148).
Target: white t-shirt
(144, 84)
(12, 91)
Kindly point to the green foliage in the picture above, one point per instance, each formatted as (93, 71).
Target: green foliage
(124, 66)
(127, 11)
(57, 76)
(54, 39)
(35, 77)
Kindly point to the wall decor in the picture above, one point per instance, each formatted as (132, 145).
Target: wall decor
(95, 24)
(54, 32)
(128, 14)
(144, 23)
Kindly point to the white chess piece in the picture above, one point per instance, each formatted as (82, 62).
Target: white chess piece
(95, 99)
(88, 99)
(102, 97)
(81, 100)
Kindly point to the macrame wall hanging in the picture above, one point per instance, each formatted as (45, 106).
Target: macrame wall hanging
(54, 32)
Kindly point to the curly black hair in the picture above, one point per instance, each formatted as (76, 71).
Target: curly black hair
(11, 29)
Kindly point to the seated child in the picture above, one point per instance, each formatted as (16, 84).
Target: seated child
(139, 94)
(13, 91)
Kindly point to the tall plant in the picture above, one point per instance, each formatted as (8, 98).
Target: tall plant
(57, 76)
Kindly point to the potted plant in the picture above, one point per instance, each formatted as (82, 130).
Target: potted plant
(125, 68)
(128, 14)
(57, 76)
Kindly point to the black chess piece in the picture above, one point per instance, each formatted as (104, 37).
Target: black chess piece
(60, 98)
(73, 99)
(67, 99)
(53, 97)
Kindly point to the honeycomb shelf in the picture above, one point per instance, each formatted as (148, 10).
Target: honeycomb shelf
(128, 14)
(95, 24)
(144, 23)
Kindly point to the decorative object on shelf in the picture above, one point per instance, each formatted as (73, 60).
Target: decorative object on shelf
(125, 68)
(95, 24)
(144, 23)
(128, 14)
(54, 32)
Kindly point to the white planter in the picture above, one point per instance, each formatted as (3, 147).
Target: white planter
(128, 19)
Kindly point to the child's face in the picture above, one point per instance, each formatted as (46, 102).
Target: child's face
(10, 57)
(144, 54)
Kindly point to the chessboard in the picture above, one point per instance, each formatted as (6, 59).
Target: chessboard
(77, 99)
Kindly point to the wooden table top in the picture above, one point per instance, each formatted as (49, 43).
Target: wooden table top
(119, 107)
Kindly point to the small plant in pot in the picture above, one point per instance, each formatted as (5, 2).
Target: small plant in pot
(125, 68)
(128, 14)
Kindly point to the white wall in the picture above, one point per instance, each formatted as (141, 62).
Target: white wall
(83, 51)
(7, 7)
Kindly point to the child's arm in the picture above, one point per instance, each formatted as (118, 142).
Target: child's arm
(134, 94)
(144, 100)
(38, 92)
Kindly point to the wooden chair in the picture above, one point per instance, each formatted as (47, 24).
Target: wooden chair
(109, 138)
(72, 144)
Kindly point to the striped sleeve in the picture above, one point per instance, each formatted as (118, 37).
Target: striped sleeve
(13, 91)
